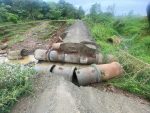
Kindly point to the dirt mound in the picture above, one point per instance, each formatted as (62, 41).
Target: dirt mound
(54, 94)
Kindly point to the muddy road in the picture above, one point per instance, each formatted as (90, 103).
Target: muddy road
(53, 94)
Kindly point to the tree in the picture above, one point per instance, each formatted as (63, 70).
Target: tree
(81, 13)
(111, 9)
(95, 9)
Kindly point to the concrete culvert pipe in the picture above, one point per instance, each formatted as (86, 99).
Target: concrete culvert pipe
(42, 68)
(56, 56)
(15, 55)
(40, 54)
(111, 70)
(72, 58)
(66, 72)
(97, 73)
(88, 75)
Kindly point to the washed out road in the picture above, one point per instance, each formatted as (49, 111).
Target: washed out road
(53, 94)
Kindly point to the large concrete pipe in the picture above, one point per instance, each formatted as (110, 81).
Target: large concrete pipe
(88, 75)
(66, 72)
(72, 58)
(98, 59)
(41, 54)
(111, 70)
(43, 68)
(58, 56)
(97, 73)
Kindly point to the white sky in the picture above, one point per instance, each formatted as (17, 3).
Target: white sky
(121, 6)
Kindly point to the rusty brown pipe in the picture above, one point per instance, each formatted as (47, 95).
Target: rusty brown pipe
(97, 73)
(111, 70)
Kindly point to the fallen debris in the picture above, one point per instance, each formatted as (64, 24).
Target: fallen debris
(3, 46)
(114, 40)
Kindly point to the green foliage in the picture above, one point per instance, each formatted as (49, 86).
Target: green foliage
(129, 26)
(136, 77)
(95, 9)
(135, 40)
(14, 10)
(13, 32)
(14, 82)
(12, 18)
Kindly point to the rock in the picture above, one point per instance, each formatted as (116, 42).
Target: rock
(14, 55)
(3, 46)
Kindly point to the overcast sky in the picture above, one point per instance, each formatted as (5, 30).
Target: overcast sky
(121, 6)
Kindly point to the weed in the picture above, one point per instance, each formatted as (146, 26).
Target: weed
(132, 53)
(14, 82)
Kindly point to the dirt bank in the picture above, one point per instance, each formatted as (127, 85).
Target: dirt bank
(55, 95)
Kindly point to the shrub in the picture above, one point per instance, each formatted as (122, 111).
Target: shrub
(12, 18)
(14, 82)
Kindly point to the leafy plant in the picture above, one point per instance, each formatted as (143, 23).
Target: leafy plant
(14, 82)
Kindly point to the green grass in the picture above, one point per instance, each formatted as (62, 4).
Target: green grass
(14, 82)
(133, 52)
(11, 32)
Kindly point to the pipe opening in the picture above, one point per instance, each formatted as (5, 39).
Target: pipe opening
(110, 40)
(74, 78)
(51, 70)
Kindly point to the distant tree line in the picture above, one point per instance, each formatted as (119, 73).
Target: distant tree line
(15, 10)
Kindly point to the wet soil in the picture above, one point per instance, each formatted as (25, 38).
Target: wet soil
(54, 94)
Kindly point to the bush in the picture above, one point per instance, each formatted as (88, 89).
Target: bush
(12, 18)
(14, 82)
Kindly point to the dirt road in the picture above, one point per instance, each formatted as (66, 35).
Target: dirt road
(55, 95)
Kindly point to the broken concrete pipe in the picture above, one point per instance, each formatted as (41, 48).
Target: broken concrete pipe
(90, 60)
(84, 76)
(97, 73)
(111, 70)
(17, 54)
(66, 72)
(40, 54)
(88, 75)
(58, 56)
(42, 68)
